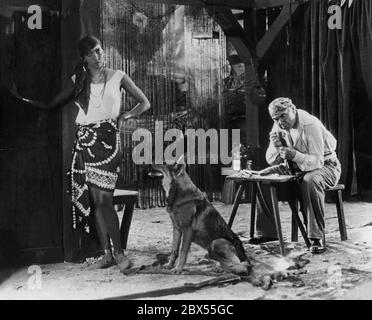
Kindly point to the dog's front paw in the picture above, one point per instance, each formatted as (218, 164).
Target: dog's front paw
(168, 265)
(247, 264)
(217, 269)
(177, 270)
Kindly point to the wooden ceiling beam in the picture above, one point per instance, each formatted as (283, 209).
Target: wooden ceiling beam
(238, 4)
(264, 4)
(234, 32)
(275, 29)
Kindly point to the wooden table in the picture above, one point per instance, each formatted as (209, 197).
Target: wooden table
(272, 181)
(230, 187)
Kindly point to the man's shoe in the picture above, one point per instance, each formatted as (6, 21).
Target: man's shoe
(122, 261)
(317, 247)
(260, 240)
(104, 262)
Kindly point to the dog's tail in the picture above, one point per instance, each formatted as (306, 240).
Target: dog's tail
(238, 245)
(239, 248)
(229, 235)
(225, 252)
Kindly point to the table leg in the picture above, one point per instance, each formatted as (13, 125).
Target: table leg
(296, 217)
(125, 223)
(293, 204)
(253, 208)
(294, 237)
(274, 201)
(236, 204)
(265, 209)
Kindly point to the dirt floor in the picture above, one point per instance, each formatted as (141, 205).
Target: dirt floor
(344, 271)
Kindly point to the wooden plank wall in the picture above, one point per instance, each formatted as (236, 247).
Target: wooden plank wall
(30, 140)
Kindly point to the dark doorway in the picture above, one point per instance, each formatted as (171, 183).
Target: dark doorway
(31, 223)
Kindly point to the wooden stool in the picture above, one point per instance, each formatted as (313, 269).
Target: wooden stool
(340, 214)
(340, 210)
(127, 198)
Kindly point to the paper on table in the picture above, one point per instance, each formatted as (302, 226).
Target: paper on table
(269, 171)
(248, 173)
(252, 172)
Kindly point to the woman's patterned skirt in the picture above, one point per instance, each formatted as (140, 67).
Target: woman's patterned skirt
(95, 162)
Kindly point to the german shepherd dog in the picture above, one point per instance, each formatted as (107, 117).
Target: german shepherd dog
(195, 220)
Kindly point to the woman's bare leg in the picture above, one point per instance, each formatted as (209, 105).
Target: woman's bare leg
(102, 230)
(106, 213)
(107, 259)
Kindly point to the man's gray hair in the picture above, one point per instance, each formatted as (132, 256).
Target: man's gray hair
(280, 105)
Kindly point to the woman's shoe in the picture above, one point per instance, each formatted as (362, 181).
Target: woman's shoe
(104, 262)
(122, 261)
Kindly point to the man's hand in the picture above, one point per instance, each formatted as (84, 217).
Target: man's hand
(274, 138)
(287, 153)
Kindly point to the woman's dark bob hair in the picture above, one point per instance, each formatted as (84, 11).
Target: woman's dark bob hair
(86, 44)
(82, 82)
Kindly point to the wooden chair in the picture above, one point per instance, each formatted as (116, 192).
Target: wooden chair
(128, 199)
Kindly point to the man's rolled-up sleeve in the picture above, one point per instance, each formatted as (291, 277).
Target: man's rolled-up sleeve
(314, 158)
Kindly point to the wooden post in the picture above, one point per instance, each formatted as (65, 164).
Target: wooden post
(245, 48)
(70, 34)
(90, 17)
(251, 110)
(73, 20)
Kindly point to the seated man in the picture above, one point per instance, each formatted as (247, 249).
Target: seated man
(305, 145)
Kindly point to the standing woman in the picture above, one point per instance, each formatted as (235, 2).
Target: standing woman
(96, 90)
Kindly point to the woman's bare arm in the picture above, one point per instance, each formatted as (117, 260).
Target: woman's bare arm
(60, 99)
(143, 103)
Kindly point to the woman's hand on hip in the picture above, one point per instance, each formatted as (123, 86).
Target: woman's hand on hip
(127, 120)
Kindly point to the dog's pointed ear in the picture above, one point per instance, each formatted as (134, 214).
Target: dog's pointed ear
(178, 169)
(179, 166)
(181, 159)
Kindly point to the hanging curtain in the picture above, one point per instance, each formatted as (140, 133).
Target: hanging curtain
(361, 24)
(329, 73)
(361, 35)
(176, 55)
